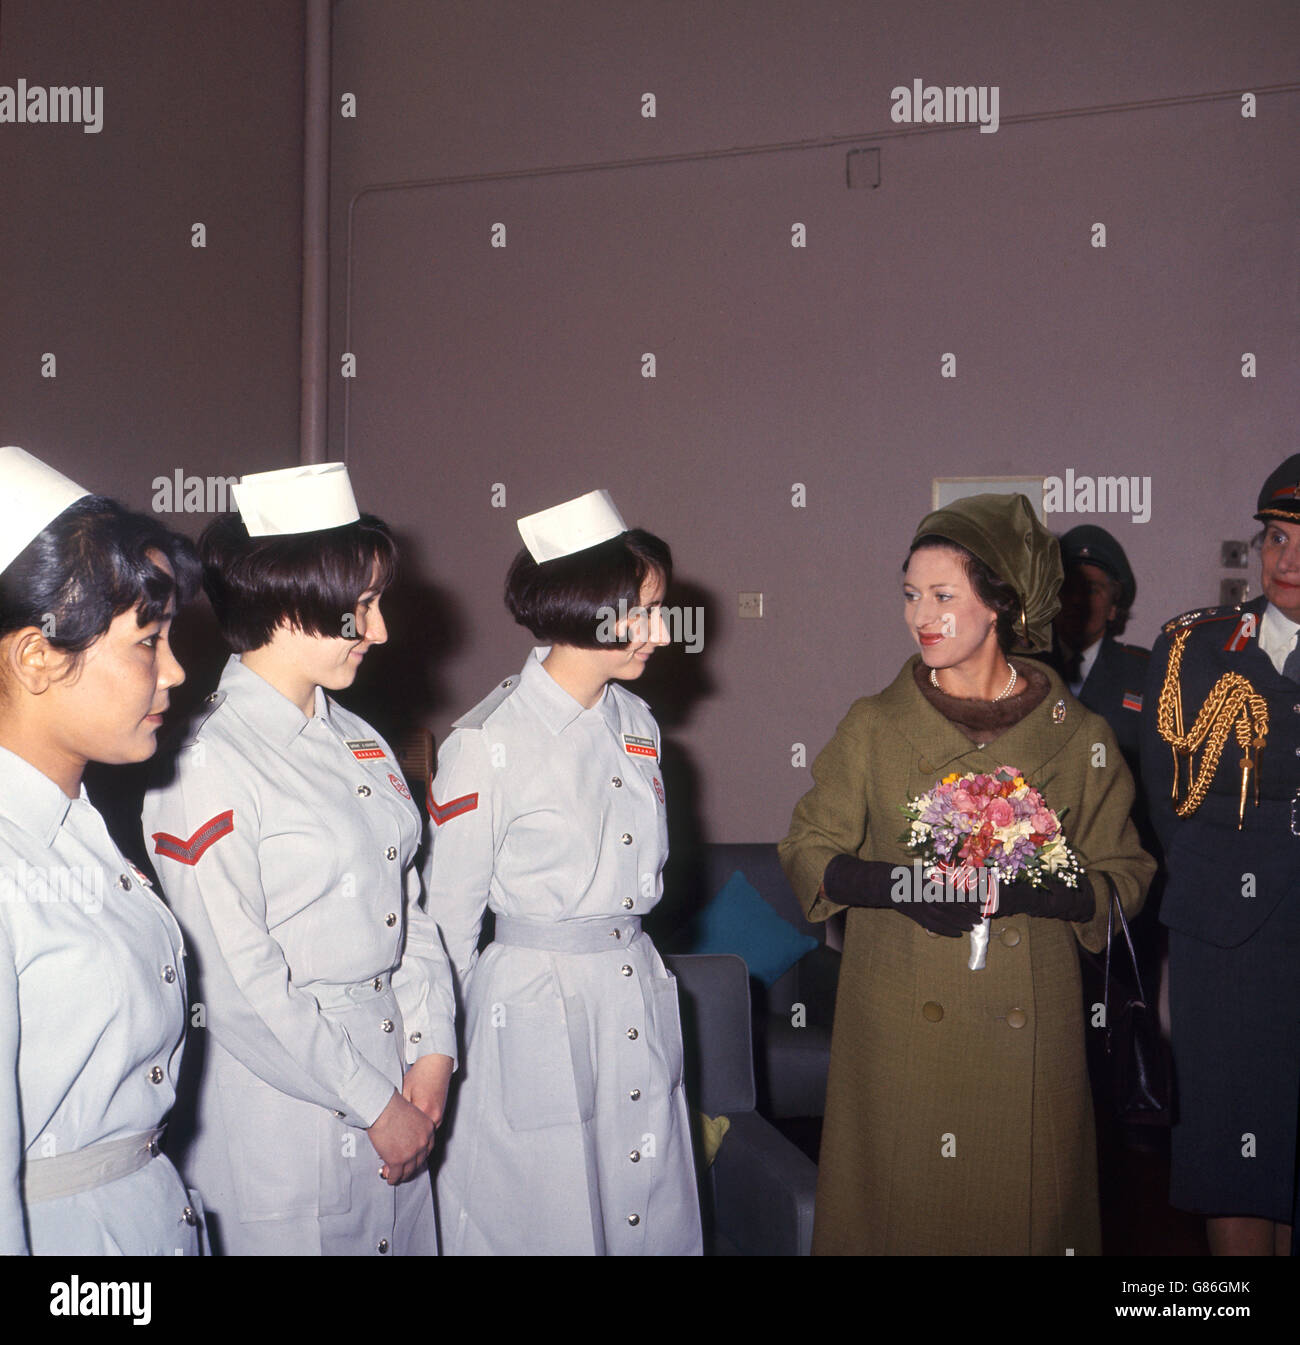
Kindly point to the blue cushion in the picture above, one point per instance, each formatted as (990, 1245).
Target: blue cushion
(739, 921)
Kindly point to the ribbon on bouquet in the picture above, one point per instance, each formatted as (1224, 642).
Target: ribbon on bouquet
(966, 878)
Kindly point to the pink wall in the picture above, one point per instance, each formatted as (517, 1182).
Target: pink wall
(168, 356)
(776, 365)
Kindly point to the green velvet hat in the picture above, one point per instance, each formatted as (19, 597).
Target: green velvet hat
(1004, 532)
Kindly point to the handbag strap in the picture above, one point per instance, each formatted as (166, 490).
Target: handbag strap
(1114, 905)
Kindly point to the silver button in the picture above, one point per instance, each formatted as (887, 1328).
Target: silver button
(363, 791)
(635, 1156)
(626, 838)
(627, 903)
(615, 933)
(189, 1216)
(631, 1034)
(415, 1038)
(154, 1148)
(383, 1247)
(124, 882)
(634, 1219)
(391, 852)
(390, 919)
(169, 974)
(617, 783)
(635, 1095)
(378, 983)
(342, 1115)
(509, 682)
(387, 1024)
(210, 697)
(156, 1075)
(625, 969)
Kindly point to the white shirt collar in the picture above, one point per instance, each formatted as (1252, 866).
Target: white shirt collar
(1277, 636)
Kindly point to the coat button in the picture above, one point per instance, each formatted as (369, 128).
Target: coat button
(383, 1247)
(634, 1219)
(363, 791)
(631, 1034)
(189, 1216)
(931, 1012)
(627, 903)
(635, 1095)
(387, 1024)
(210, 697)
(391, 852)
(156, 1075)
(378, 983)
(124, 882)
(635, 1156)
(615, 933)
(626, 837)
(169, 974)
(625, 969)
(154, 1148)
(415, 1038)
(342, 1115)
(617, 783)
(390, 919)
(1017, 1018)
(1011, 937)
(509, 682)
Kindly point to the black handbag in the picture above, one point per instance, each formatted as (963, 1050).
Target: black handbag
(1139, 1072)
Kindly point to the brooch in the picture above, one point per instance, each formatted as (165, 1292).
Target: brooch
(1058, 712)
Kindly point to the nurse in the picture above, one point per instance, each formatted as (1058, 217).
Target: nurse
(570, 1127)
(92, 982)
(286, 842)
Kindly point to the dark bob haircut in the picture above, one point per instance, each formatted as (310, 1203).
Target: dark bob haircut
(994, 593)
(310, 581)
(87, 567)
(560, 600)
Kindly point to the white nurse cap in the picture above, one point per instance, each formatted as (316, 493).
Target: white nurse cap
(296, 499)
(572, 526)
(32, 496)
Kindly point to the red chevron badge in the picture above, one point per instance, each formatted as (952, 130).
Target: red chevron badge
(1244, 631)
(191, 851)
(444, 812)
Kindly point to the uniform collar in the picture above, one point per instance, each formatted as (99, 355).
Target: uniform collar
(271, 713)
(31, 798)
(1277, 635)
(549, 700)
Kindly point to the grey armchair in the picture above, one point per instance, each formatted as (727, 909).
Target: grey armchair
(757, 1198)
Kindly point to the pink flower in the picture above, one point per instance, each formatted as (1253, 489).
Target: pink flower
(964, 801)
(1043, 821)
(1000, 813)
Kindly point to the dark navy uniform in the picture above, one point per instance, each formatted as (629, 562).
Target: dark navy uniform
(1115, 688)
(1232, 905)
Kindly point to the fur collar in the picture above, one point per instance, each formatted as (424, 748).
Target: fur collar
(983, 721)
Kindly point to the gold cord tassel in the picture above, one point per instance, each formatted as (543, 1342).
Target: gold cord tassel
(1232, 705)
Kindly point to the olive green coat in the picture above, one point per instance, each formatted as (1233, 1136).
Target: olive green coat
(958, 1111)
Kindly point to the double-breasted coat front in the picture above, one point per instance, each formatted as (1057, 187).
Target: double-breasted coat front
(958, 1112)
(92, 1021)
(569, 1129)
(286, 846)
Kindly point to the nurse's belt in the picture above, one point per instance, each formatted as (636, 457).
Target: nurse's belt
(78, 1170)
(572, 526)
(296, 499)
(32, 496)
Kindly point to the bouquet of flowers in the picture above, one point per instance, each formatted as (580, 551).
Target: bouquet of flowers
(979, 830)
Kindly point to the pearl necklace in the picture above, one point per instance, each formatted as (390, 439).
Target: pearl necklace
(1001, 696)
